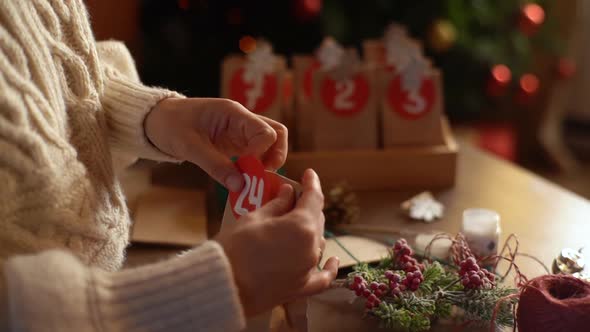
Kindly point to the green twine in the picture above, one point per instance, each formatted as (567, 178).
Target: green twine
(330, 235)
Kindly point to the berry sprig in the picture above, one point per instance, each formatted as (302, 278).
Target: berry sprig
(374, 292)
(403, 259)
(401, 248)
(406, 295)
(395, 286)
(474, 277)
(413, 280)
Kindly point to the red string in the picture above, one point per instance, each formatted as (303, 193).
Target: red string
(460, 251)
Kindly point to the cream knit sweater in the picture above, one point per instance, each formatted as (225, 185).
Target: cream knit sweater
(71, 113)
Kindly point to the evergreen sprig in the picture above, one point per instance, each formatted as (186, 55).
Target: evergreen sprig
(439, 292)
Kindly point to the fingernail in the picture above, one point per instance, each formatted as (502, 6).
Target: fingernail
(234, 182)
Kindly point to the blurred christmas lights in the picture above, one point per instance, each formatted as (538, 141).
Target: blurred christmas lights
(247, 44)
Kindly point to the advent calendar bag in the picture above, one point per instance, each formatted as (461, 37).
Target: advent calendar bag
(256, 81)
(304, 67)
(260, 187)
(412, 105)
(345, 106)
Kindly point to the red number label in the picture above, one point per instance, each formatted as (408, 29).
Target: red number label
(253, 191)
(256, 191)
(411, 104)
(257, 95)
(347, 97)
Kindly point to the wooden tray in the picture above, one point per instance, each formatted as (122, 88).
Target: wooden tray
(404, 167)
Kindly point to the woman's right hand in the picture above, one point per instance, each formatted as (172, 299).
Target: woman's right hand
(274, 251)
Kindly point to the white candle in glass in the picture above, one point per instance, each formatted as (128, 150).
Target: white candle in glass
(481, 228)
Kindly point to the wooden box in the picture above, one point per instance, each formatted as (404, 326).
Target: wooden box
(403, 167)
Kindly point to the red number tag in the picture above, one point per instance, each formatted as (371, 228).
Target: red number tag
(256, 191)
(346, 97)
(411, 104)
(258, 95)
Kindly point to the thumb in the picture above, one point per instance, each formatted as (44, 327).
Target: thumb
(321, 280)
(281, 204)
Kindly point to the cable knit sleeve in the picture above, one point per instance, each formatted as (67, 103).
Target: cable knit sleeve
(53, 291)
(127, 102)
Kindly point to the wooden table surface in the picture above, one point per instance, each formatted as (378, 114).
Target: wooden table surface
(545, 217)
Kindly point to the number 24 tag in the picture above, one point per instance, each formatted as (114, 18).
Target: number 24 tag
(258, 189)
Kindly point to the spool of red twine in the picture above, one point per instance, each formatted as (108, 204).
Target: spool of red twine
(554, 303)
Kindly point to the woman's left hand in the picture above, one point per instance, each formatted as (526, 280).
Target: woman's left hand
(207, 131)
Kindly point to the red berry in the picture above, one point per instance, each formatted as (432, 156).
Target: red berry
(366, 292)
(465, 281)
(382, 286)
(372, 298)
(378, 293)
(358, 279)
(358, 292)
(491, 277)
(389, 274)
(369, 305)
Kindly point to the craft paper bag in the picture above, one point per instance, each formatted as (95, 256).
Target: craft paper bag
(345, 110)
(304, 67)
(288, 105)
(259, 91)
(170, 216)
(260, 187)
(412, 107)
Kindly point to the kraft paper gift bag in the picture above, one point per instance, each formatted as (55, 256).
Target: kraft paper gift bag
(345, 106)
(256, 81)
(260, 187)
(304, 68)
(412, 105)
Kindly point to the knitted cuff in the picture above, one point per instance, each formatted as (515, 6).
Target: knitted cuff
(127, 104)
(54, 291)
(193, 292)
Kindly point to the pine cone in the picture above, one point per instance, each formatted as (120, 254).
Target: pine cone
(341, 206)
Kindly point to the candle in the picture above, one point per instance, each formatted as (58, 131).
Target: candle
(481, 228)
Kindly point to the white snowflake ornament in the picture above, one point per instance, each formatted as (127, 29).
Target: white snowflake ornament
(423, 207)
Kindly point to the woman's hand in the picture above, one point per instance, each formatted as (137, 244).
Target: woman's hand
(207, 131)
(274, 251)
